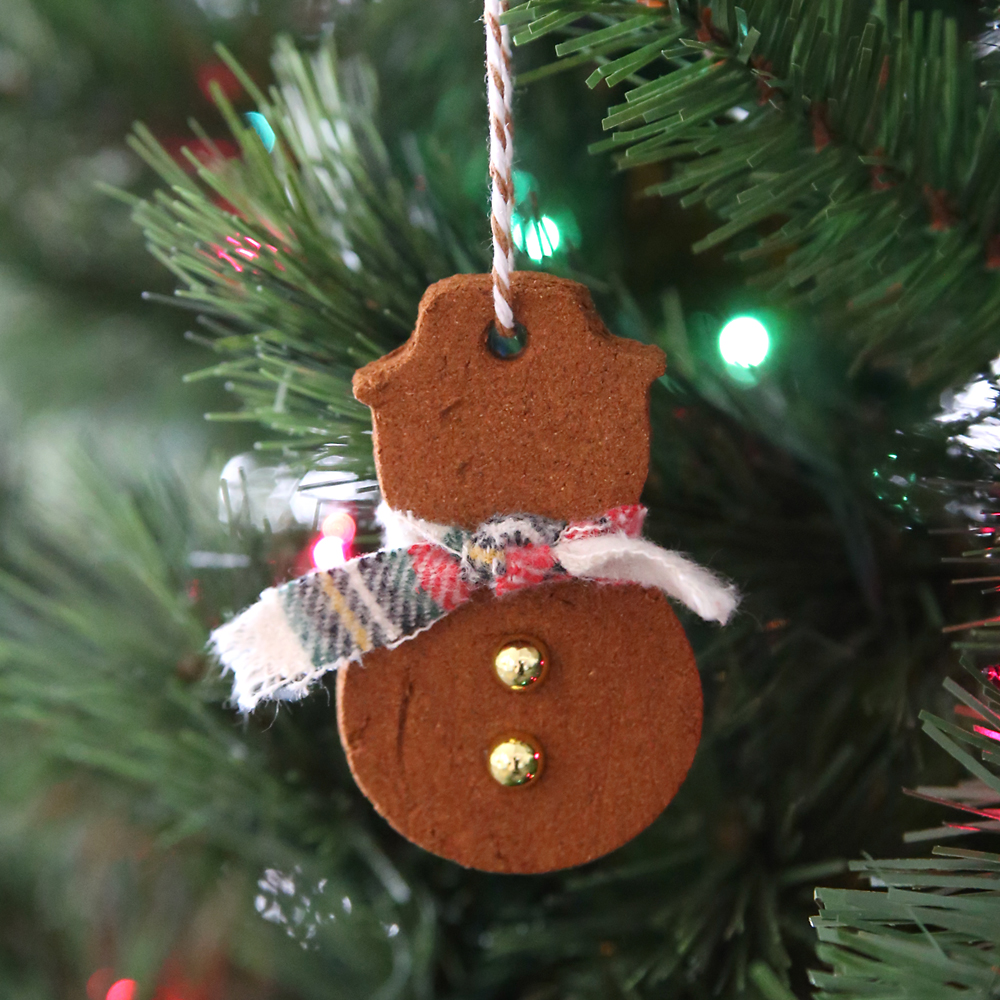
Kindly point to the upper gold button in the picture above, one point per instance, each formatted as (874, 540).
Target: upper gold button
(520, 664)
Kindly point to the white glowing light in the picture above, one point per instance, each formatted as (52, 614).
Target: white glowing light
(277, 495)
(979, 397)
(328, 553)
(975, 405)
(744, 342)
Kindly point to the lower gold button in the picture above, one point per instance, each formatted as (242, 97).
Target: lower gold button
(516, 762)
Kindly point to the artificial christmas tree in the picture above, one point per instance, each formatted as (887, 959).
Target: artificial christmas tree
(835, 163)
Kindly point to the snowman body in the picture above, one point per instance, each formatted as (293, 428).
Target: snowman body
(560, 430)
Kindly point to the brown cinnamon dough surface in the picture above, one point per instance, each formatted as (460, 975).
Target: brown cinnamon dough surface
(560, 430)
(618, 718)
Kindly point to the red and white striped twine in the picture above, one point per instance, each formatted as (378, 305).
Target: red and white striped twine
(500, 89)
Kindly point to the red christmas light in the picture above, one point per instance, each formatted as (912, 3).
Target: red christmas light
(765, 76)
(173, 984)
(99, 984)
(941, 209)
(820, 127)
(707, 32)
(993, 254)
(333, 546)
(124, 989)
(218, 73)
(880, 182)
(207, 153)
(249, 249)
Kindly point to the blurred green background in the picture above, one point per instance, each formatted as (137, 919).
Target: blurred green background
(814, 693)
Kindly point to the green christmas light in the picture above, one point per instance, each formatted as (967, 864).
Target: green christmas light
(525, 186)
(744, 342)
(538, 239)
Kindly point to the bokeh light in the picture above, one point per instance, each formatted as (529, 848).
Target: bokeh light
(340, 525)
(744, 342)
(328, 552)
(99, 984)
(525, 186)
(537, 238)
(332, 548)
(124, 989)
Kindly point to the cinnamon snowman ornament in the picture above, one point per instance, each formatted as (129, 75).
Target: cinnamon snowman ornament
(514, 690)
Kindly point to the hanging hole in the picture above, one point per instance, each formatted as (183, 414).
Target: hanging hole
(506, 348)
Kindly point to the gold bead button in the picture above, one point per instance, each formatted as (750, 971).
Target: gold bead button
(515, 762)
(520, 664)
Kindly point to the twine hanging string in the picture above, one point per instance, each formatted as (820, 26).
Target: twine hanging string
(499, 84)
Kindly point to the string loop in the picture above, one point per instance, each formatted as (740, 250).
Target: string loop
(500, 92)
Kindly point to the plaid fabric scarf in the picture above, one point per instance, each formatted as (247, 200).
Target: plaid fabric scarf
(297, 632)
